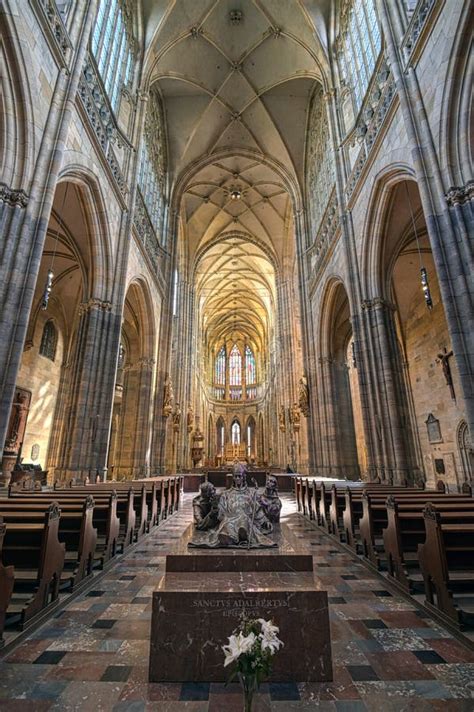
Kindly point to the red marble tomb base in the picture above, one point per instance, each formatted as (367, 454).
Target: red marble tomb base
(193, 615)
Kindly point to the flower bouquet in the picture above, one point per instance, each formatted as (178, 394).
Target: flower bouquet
(251, 647)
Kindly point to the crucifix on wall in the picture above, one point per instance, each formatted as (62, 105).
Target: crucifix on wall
(443, 359)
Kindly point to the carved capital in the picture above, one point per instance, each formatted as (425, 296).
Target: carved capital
(146, 363)
(377, 303)
(93, 303)
(460, 195)
(15, 197)
(142, 95)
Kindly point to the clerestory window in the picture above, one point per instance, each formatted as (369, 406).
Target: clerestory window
(359, 45)
(112, 47)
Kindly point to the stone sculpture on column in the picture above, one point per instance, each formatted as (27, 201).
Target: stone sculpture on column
(167, 396)
(303, 396)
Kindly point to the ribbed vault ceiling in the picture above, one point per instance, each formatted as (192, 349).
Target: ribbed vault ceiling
(236, 78)
(235, 284)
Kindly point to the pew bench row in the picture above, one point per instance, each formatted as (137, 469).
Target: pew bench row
(423, 540)
(50, 542)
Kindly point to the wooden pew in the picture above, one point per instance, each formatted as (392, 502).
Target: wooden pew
(7, 580)
(304, 496)
(375, 518)
(76, 531)
(447, 564)
(405, 531)
(297, 483)
(352, 510)
(310, 498)
(124, 508)
(37, 557)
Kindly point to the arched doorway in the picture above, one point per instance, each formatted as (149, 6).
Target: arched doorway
(235, 432)
(466, 454)
(343, 430)
(210, 441)
(261, 440)
(420, 359)
(220, 437)
(129, 455)
(250, 439)
(59, 432)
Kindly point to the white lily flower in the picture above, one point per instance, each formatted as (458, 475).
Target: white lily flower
(238, 645)
(270, 642)
(268, 629)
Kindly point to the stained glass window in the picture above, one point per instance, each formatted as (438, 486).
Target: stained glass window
(360, 43)
(112, 43)
(250, 373)
(320, 161)
(235, 367)
(49, 341)
(235, 433)
(151, 174)
(220, 368)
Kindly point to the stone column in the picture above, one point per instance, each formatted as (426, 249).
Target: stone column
(24, 218)
(328, 455)
(135, 430)
(447, 223)
(86, 434)
(309, 356)
(391, 422)
(362, 352)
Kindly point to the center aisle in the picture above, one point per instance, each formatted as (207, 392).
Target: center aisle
(94, 654)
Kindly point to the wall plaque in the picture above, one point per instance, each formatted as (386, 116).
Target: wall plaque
(439, 466)
(434, 430)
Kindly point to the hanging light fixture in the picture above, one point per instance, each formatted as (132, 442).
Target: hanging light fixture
(424, 274)
(47, 290)
(50, 276)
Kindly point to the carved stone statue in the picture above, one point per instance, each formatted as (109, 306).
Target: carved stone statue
(242, 523)
(281, 418)
(443, 359)
(270, 501)
(17, 423)
(303, 396)
(205, 507)
(176, 417)
(167, 396)
(295, 416)
(190, 419)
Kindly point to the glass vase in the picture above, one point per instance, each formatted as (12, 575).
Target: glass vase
(250, 687)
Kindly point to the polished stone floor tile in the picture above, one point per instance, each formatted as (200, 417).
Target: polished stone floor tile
(93, 655)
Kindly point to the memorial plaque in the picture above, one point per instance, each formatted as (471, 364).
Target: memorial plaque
(189, 628)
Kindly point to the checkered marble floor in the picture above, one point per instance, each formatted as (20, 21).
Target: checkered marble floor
(93, 655)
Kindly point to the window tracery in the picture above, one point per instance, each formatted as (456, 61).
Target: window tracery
(358, 46)
(234, 374)
(113, 46)
(219, 378)
(151, 176)
(250, 371)
(320, 160)
(49, 341)
(235, 366)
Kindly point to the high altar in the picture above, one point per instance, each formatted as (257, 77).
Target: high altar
(234, 451)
